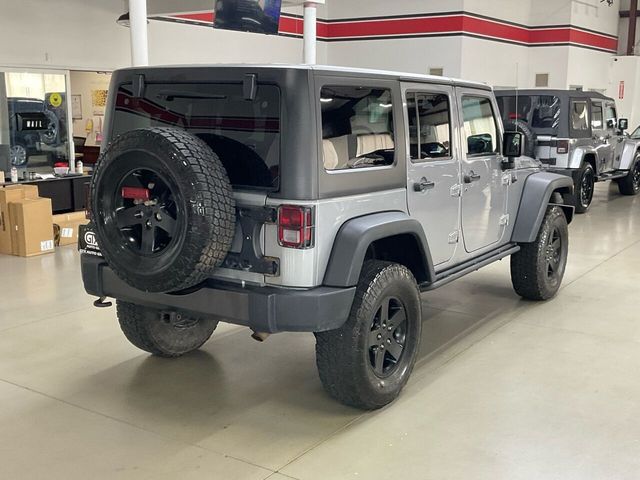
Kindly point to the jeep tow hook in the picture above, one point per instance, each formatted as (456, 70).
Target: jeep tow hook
(100, 303)
(259, 336)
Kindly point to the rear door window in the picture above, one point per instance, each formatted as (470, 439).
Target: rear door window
(429, 126)
(579, 121)
(245, 134)
(597, 122)
(357, 127)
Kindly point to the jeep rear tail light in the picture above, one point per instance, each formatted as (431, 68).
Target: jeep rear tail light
(562, 146)
(295, 226)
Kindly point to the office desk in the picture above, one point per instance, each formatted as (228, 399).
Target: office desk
(67, 194)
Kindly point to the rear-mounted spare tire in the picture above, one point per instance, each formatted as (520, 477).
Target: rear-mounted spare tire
(163, 209)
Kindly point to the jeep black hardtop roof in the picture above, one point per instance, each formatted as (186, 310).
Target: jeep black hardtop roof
(561, 94)
(325, 69)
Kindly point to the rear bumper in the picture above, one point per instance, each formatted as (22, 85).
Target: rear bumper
(264, 309)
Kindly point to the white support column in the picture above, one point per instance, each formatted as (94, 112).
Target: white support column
(310, 32)
(138, 28)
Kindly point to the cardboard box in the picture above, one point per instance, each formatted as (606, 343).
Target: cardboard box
(8, 194)
(65, 227)
(31, 227)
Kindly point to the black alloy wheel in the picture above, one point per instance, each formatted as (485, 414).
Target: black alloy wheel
(148, 214)
(554, 252)
(585, 186)
(367, 362)
(630, 185)
(387, 337)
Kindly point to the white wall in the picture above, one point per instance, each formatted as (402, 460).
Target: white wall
(80, 34)
(416, 55)
(626, 69)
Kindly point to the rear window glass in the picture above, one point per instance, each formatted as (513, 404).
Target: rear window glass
(245, 134)
(357, 127)
(541, 112)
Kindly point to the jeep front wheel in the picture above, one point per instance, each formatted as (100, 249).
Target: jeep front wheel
(366, 363)
(584, 188)
(630, 185)
(165, 334)
(538, 268)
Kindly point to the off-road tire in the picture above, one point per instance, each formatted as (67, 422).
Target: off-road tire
(529, 267)
(630, 185)
(530, 137)
(344, 356)
(583, 196)
(146, 329)
(201, 193)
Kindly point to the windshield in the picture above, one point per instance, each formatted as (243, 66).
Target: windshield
(541, 112)
(245, 134)
(636, 133)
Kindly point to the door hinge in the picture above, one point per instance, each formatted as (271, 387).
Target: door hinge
(454, 237)
(504, 220)
(456, 190)
(506, 179)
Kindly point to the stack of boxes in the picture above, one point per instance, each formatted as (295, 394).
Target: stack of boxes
(26, 223)
(28, 228)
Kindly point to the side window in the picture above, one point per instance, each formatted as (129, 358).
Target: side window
(357, 127)
(597, 122)
(611, 117)
(429, 126)
(479, 126)
(579, 116)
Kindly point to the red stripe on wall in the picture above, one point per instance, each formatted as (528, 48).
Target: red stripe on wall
(446, 24)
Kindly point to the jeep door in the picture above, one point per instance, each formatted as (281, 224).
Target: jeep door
(601, 137)
(617, 140)
(484, 192)
(433, 161)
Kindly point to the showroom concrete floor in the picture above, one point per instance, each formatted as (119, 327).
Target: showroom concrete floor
(504, 388)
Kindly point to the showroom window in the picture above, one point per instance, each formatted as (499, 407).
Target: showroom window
(429, 126)
(596, 116)
(33, 121)
(480, 126)
(357, 127)
(245, 134)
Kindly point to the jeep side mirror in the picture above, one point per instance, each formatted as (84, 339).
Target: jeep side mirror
(512, 144)
(623, 124)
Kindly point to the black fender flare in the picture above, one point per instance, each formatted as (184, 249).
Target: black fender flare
(536, 197)
(356, 235)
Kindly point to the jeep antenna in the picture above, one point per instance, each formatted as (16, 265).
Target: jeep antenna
(516, 115)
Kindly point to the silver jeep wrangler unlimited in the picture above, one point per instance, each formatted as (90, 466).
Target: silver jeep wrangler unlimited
(310, 199)
(577, 134)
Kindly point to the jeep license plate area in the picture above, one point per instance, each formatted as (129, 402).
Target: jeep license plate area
(87, 243)
(251, 258)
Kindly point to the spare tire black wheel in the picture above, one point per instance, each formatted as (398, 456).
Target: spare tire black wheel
(530, 137)
(163, 209)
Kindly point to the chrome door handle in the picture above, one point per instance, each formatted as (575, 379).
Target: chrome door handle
(423, 185)
(471, 177)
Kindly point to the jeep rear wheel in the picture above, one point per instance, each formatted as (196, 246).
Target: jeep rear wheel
(584, 188)
(630, 185)
(366, 363)
(163, 209)
(165, 334)
(538, 268)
